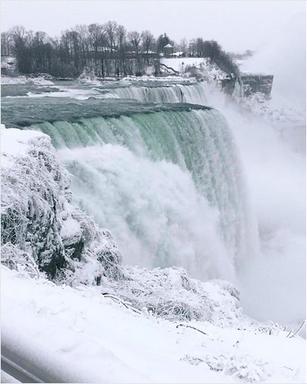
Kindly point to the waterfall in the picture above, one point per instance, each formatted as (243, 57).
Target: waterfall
(168, 184)
(175, 93)
(150, 161)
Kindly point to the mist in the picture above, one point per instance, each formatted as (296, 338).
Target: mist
(273, 157)
(284, 55)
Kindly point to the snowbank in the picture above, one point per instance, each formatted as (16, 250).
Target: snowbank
(87, 337)
(15, 144)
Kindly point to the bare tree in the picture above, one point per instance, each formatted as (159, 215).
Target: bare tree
(121, 50)
(111, 31)
(148, 41)
(6, 44)
(183, 46)
(98, 41)
(134, 39)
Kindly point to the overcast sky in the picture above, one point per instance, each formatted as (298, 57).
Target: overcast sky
(236, 24)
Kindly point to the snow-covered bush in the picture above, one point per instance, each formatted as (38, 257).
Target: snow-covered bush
(16, 259)
(170, 293)
(241, 367)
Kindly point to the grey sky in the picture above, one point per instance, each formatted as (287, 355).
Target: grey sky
(236, 24)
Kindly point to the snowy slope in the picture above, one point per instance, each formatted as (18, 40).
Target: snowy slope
(98, 340)
(180, 63)
(207, 70)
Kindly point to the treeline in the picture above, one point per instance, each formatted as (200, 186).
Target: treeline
(103, 49)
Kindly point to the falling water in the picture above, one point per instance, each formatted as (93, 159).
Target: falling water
(168, 184)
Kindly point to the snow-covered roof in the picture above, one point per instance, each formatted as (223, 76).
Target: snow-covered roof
(168, 46)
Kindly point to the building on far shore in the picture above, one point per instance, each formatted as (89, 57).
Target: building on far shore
(168, 50)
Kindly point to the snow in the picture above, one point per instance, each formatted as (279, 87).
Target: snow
(7, 80)
(207, 70)
(92, 338)
(177, 54)
(176, 63)
(40, 80)
(64, 91)
(162, 79)
(15, 143)
(5, 378)
(170, 293)
(8, 62)
(40, 226)
(70, 228)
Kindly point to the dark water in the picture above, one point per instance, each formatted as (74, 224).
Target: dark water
(22, 112)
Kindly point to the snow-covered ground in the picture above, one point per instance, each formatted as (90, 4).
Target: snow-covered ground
(15, 144)
(180, 63)
(209, 71)
(92, 338)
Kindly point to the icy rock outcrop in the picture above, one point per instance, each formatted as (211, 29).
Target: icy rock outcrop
(39, 221)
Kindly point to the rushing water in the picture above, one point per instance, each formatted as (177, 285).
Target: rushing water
(168, 184)
(142, 91)
(178, 93)
(164, 178)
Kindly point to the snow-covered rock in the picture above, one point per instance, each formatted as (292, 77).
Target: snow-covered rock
(38, 219)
